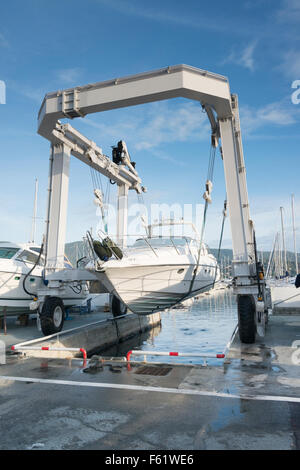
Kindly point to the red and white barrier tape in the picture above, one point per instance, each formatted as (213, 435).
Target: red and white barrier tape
(172, 353)
(49, 348)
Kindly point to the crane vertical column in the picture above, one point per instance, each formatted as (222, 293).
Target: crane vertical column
(239, 238)
(57, 207)
(242, 177)
(122, 215)
(242, 264)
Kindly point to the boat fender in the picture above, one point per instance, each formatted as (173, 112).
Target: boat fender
(113, 247)
(297, 281)
(102, 251)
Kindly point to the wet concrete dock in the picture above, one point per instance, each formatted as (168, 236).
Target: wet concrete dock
(89, 333)
(250, 401)
(17, 333)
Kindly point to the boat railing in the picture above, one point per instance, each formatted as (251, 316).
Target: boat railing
(148, 244)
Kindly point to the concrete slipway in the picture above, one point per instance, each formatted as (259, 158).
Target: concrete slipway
(250, 401)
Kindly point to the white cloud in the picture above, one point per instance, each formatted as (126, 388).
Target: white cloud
(169, 124)
(70, 75)
(35, 94)
(289, 12)
(280, 113)
(288, 18)
(247, 59)
(290, 65)
(194, 20)
(244, 58)
(254, 4)
(160, 123)
(64, 76)
(164, 156)
(165, 123)
(3, 41)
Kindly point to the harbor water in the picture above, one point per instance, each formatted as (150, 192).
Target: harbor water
(205, 326)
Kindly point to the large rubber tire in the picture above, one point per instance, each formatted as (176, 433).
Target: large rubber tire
(246, 318)
(118, 307)
(52, 316)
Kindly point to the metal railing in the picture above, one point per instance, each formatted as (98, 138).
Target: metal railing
(151, 246)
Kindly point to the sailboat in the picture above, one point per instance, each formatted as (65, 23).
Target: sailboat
(158, 272)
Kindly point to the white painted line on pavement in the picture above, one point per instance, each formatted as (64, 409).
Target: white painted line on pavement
(139, 388)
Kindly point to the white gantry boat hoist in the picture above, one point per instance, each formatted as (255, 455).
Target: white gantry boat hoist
(213, 94)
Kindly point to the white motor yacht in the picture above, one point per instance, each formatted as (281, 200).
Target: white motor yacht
(157, 272)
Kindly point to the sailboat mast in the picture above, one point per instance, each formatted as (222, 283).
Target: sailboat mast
(278, 252)
(294, 233)
(33, 227)
(283, 242)
(272, 258)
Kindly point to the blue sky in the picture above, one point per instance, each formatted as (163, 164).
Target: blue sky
(45, 46)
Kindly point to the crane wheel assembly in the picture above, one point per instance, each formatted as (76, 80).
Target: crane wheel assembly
(246, 318)
(52, 316)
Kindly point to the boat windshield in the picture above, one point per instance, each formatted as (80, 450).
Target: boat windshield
(8, 253)
(161, 242)
(28, 257)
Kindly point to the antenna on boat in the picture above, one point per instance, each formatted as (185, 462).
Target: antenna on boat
(33, 227)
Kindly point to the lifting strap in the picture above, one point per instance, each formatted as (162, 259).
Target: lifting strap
(219, 249)
(207, 198)
(101, 199)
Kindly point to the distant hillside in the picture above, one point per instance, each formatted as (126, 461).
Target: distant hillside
(226, 256)
(75, 251)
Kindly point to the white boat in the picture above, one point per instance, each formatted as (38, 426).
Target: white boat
(157, 273)
(16, 262)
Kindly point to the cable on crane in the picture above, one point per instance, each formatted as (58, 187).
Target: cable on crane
(222, 230)
(219, 249)
(97, 183)
(207, 199)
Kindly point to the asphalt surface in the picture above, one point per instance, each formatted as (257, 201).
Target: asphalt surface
(250, 401)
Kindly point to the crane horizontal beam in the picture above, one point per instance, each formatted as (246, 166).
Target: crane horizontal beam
(171, 82)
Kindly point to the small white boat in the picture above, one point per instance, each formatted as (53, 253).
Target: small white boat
(157, 273)
(16, 262)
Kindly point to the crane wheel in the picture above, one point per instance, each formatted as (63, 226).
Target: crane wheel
(246, 319)
(118, 307)
(52, 316)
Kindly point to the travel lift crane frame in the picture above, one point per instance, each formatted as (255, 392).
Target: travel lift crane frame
(213, 93)
(66, 141)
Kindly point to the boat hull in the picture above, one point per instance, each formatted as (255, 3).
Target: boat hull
(149, 289)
